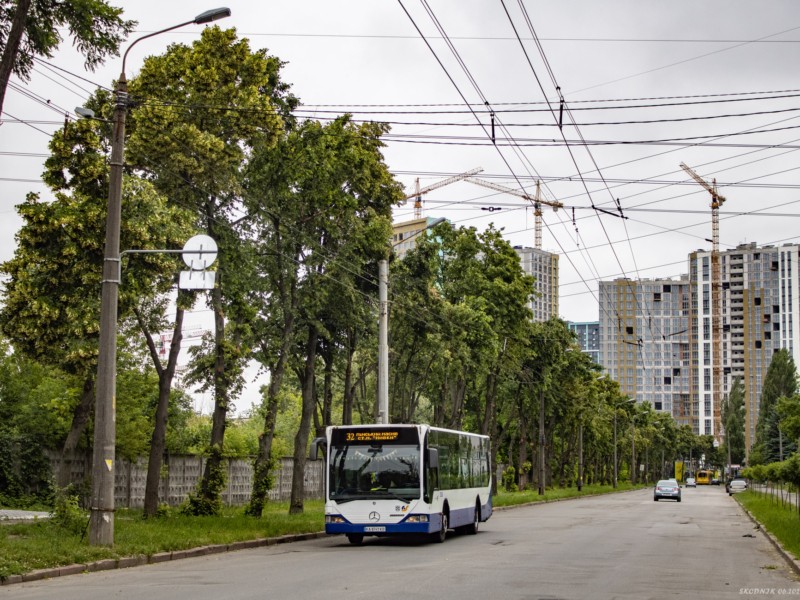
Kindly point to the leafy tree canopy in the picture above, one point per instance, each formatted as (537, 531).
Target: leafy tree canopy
(96, 28)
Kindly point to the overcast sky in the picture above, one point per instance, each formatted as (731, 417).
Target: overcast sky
(693, 82)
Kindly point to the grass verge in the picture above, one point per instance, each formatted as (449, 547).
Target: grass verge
(504, 498)
(783, 522)
(27, 547)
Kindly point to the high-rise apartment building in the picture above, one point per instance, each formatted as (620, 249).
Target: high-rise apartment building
(759, 288)
(656, 337)
(588, 337)
(644, 341)
(404, 235)
(544, 267)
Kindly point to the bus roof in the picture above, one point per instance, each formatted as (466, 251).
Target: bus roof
(419, 426)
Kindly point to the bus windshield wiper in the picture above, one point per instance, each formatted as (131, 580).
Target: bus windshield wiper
(350, 494)
(388, 494)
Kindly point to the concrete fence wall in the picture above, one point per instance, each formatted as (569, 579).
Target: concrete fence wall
(180, 475)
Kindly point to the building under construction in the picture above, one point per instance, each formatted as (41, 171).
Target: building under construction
(759, 311)
(543, 266)
(657, 336)
(644, 342)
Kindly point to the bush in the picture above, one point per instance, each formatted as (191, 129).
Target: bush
(25, 474)
(68, 514)
(509, 479)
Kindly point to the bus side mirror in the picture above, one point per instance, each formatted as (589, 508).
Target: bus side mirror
(433, 458)
(318, 444)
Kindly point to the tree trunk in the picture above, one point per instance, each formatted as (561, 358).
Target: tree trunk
(262, 481)
(263, 462)
(159, 440)
(13, 41)
(262, 466)
(301, 439)
(80, 417)
(349, 389)
(211, 484)
(327, 390)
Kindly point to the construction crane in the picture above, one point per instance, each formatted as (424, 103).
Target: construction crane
(417, 195)
(716, 296)
(536, 200)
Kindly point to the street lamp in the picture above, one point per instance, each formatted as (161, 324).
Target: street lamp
(101, 522)
(634, 462)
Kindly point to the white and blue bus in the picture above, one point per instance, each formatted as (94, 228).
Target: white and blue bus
(405, 479)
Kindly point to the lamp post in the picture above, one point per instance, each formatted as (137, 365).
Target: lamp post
(101, 522)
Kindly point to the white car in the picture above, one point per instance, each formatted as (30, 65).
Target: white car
(737, 485)
(690, 482)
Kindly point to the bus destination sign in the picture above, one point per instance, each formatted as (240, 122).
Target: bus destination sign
(372, 436)
(391, 435)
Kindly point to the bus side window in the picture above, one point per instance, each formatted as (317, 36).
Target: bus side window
(432, 473)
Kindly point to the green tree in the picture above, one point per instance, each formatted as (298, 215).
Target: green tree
(52, 302)
(459, 329)
(203, 109)
(292, 190)
(150, 305)
(35, 403)
(31, 28)
(347, 198)
(779, 382)
(788, 410)
(732, 412)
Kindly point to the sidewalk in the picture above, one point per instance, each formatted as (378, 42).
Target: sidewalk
(21, 516)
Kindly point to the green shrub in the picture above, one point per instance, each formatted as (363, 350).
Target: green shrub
(207, 499)
(67, 512)
(509, 479)
(25, 474)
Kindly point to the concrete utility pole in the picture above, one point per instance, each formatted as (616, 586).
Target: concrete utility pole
(614, 483)
(101, 520)
(580, 455)
(383, 342)
(542, 473)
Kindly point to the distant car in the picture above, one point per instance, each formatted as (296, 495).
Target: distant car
(690, 482)
(736, 485)
(667, 488)
(715, 481)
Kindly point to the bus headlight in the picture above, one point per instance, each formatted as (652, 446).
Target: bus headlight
(417, 519)
(334, 519)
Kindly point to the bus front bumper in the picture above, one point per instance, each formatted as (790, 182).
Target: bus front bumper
(335, 524)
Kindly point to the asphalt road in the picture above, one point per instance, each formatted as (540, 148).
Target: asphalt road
(614, 546)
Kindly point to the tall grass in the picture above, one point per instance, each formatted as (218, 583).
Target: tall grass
(780, 519)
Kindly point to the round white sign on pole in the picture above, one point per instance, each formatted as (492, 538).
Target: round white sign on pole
(200, 252)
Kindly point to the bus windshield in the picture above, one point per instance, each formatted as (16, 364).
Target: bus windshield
(362, 471)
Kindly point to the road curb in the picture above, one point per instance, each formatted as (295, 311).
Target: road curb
(793, 563)
(142, 560)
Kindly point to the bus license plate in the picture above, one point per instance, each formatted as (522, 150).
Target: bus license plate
(375, 529)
